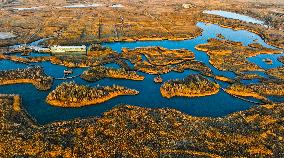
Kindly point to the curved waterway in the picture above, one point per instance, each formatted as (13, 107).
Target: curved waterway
(213, 106)
(233, 15)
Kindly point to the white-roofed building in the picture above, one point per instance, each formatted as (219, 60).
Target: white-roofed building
(68, 50)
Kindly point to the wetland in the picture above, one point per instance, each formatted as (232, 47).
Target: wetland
(177, 81)
(140, 62)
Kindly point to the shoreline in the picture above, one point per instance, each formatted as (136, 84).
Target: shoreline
(58, 103)
(190, 86)
(100, 72)
(122, 40)
(24, 81)
(168, 96)
(126, 40)
(262, 36)
(245, 94)
(32, 75)
(222, 55)
(124, 123)
(71, 95)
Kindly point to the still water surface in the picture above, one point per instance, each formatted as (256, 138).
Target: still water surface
(233, 15)
(216, 105)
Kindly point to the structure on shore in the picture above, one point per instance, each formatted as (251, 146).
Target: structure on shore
(68, 49)
(55, 50)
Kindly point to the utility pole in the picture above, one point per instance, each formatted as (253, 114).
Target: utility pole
(116, 31)
(122, 24)
(100, 25)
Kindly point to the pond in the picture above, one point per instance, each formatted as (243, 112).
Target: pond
(216, 105)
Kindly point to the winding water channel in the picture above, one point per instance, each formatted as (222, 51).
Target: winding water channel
(216, 105)
(232, 15)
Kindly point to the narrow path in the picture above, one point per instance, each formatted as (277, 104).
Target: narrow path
(242, 98)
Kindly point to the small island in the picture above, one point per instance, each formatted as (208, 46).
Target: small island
(33, 75)
(224, 79)
(191, 86)
(73, 95)
(219, 35)
(100, 72)
(267, 61)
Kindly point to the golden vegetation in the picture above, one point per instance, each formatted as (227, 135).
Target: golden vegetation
(95, 57)
(248, 76)
(73, 95)
(86, 61)
(232, 56)
(243, 91)
(191, 86)
(100, 72)
(272, 35)
(128, 131)
(158, 56)
(255, 45)
(275, 88)
(224, 79)
(276, 72)
(281, 59)
(135, 21)
(258, 90)
(33, 75)
(17, 103)
(193, 65)
(159, 60)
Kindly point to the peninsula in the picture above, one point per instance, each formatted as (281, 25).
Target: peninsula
(33, 75)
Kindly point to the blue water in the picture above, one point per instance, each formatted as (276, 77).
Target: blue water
(112, 65)
(276, 98)
(258, 60)
(149, 96)
(32, 54)
(232, 15)
(215, 105)
(37, 42)
(9, 65)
